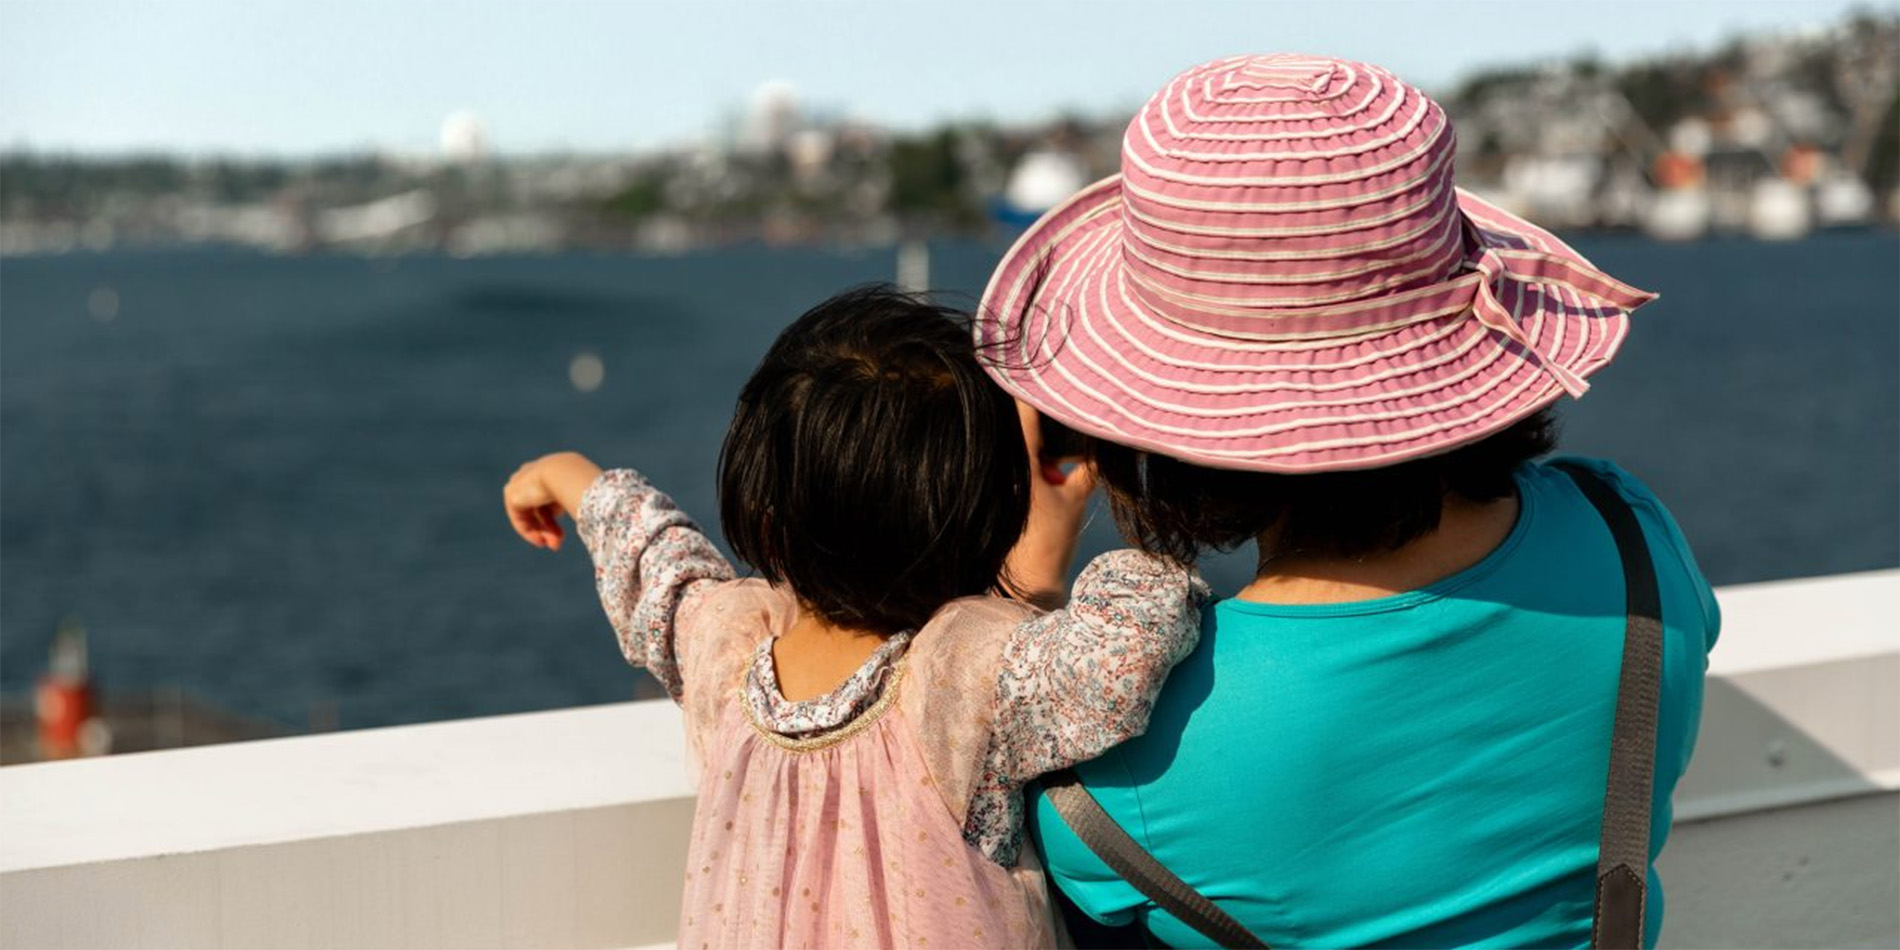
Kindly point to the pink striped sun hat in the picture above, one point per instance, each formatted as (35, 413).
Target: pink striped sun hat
(1283, 278)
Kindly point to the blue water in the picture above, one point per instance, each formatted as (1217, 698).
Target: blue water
(276, 481)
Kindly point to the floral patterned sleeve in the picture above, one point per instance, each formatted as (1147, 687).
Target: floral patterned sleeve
(649, 557)
(1078, 681)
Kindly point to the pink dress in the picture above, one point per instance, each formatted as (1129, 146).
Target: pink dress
(887, 812)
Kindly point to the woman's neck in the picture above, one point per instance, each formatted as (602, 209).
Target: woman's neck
(814, 657)
(1467, 532)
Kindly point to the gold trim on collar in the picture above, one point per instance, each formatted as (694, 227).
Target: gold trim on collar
(827, 739)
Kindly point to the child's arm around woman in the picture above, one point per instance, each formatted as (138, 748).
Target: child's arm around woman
(1081, 677)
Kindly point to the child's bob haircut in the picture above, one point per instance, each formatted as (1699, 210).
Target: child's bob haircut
(871, 466)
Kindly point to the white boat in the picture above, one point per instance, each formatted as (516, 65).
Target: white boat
(1680, 214)
(1778, 210)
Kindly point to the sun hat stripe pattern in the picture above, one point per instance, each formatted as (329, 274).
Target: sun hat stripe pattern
(1284, 277)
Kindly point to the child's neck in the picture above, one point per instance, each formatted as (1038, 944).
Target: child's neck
(815, 657)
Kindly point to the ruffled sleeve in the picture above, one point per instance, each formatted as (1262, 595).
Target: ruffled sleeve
(650, 559)
(1078, 681)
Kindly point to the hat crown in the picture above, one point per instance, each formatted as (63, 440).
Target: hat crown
(1286, 78)
(1260, 187)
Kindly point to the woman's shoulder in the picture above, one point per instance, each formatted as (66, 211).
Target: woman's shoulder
(1633, 489)
(1668, 545)
(1551, 475)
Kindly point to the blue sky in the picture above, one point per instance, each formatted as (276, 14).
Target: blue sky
(292, 77)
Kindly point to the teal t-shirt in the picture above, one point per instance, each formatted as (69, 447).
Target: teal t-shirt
(1422, 770)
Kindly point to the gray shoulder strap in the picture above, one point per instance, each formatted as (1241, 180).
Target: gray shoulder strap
(1623, 849)
(1139, 868)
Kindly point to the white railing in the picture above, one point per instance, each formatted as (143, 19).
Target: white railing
(569, 828)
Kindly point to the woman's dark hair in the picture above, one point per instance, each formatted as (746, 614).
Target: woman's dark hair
(871, 466)
(1177, 510)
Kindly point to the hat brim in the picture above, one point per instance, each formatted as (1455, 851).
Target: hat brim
(1060, 328)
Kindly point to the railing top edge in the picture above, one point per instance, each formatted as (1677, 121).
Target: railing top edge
(274, 790)
(1807, 621)
(299, 788)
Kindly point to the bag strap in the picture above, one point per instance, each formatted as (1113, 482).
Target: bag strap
(1139, 868)
(1623, 849)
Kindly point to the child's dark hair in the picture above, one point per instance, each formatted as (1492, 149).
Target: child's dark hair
(1178, 510)
(871, 466)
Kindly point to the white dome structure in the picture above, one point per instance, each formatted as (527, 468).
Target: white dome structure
(773, 114)
(1042, 180)
(464, 137)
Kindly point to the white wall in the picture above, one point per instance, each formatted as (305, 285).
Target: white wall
(1825, 874)
(560, 829)
(569, 828)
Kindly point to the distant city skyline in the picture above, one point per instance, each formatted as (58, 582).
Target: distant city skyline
(297, 78)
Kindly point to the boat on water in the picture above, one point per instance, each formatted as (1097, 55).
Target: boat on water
(70, 717)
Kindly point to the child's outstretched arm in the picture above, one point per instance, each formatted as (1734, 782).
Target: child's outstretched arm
(649, 557)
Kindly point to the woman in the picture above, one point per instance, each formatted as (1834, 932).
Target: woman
(1283, 323)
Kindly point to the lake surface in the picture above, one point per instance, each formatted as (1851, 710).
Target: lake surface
(276, 482)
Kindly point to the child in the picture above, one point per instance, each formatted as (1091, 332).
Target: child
(866, 712)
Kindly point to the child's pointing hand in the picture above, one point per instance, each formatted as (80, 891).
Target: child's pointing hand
(542, 490)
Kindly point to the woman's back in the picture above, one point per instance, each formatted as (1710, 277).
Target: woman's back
(1419, 770)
